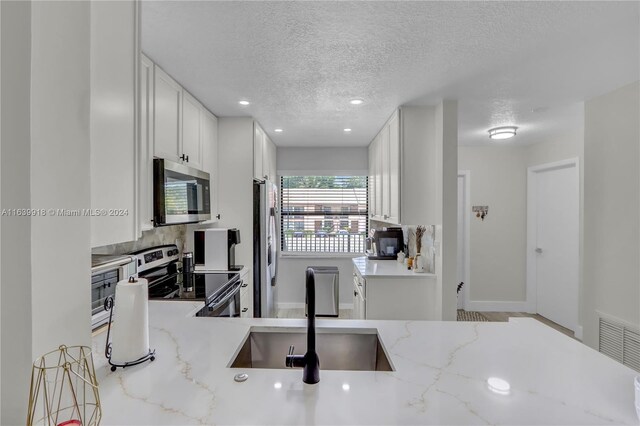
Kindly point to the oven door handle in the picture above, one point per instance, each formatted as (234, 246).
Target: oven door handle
(216, 303)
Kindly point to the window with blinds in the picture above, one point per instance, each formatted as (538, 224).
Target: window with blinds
(324, 214)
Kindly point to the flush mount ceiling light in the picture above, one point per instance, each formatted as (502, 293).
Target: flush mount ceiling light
(347, 130)
(278, 130)
(356, 101)
(504, 132)
(244, 103)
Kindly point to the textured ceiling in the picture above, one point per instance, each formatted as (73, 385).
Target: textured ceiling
(530, 64)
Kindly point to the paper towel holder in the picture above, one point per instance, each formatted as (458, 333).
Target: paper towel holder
(150, 356)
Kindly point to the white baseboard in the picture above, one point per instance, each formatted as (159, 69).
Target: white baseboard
(301, 306)
(497, 306)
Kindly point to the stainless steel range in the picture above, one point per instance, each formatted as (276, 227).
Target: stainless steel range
(161, 266)
(106, 271)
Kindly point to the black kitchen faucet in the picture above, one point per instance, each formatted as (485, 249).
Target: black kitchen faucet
(309, 362)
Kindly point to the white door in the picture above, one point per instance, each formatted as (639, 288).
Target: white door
(556, 242)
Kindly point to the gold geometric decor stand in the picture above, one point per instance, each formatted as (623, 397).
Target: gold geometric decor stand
(64, 389)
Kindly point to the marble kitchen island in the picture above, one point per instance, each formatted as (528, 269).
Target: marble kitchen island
(440, 377)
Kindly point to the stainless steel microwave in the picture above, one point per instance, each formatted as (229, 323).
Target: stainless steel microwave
(181, 194)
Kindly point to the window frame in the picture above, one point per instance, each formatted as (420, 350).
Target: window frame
(346, 214)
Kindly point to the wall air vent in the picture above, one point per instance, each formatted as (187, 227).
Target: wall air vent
(620, 342)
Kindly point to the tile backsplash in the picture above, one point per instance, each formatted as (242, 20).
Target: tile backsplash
(154, 237)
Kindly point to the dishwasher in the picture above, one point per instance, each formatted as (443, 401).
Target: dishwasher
(327, 291)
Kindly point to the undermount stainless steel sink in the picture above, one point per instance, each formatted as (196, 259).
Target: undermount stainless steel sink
(338, 349)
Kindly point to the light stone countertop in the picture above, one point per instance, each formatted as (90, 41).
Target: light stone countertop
(385, 269)
(440, 377)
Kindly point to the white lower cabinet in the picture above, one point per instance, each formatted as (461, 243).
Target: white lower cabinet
(359, 305)
(246, 296)
(394, 298)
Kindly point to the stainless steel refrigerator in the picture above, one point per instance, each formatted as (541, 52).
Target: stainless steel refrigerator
(265, 244)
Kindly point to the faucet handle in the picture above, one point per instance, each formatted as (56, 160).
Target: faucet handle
(294, 361)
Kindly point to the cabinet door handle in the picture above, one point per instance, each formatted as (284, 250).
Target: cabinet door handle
(245, 309)
(355, 293)
(183, 157)
(218, 216)
(187, 158)
(245, 284)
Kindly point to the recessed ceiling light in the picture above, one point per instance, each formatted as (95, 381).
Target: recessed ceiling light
(278, 130)
(345, 386)
(244, 103)
(347, 130)
(504, 132)
(277, 385)
(356, 101)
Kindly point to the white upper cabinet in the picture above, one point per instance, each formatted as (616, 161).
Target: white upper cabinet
(258, 152)
(113, 120)
(264, 155)
(272, 153)
(191, 138)
(209, 142)
(378, 176)
(168, 120)
(372, 181)
(394, 169)
(384, 173)
(174, 126)
(145, 148)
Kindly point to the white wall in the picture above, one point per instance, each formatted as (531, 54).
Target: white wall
(498, 179)
(291, 284)
(235, 196)
(319, 161)
(419, 167)
(316, 161)
(60, 178)
(498, 244)
(447, 190)
(45, 158)
(611, 209)
(15, 266)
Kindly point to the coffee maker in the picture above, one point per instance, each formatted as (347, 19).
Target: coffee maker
(214, 249)
(387, 243)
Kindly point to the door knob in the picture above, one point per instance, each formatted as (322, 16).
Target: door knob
(538, 250)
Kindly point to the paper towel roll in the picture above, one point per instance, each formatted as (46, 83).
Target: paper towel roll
(130, 328)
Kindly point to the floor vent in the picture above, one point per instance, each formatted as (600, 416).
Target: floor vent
(620, 343)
